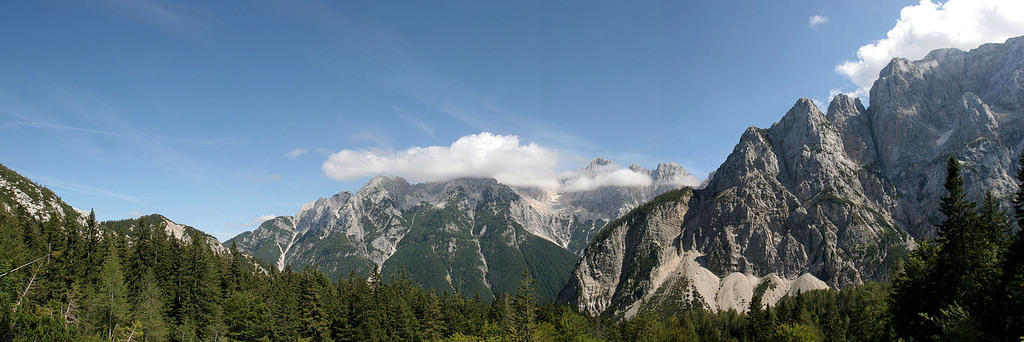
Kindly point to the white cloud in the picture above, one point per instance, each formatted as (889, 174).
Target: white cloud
(484, 155)
(479, 155)
(686, 179)
(816, 20)
(295, 153)
(604, 175)
(963, 24)
(136, 214)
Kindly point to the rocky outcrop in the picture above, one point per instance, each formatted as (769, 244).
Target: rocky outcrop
(837, 197)
(20, 193)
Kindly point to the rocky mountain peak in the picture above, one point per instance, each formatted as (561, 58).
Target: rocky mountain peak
(804, 111)
(804, 128)
(598, 163)
(843, 105)
(851, 119)
(669, 168)
(383, 182)
(943, 54)
(895, 67)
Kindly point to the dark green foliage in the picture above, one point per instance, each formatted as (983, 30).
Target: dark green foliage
(524, 310)
(445, 250)
(961, 286)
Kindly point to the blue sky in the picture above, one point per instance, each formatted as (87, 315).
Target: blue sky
(189, 109)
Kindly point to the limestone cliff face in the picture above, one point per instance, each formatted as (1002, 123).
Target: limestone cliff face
(836, 197)
(951, 102)
(789, 200)
(618, 268)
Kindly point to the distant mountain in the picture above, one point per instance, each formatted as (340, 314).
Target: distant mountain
(837, 197)
(39, 202)
(178, 231)
(20, 193)
(475, 236)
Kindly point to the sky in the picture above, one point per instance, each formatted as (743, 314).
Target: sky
(220, 116)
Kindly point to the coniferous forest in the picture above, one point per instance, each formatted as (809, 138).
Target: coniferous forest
(64, 280)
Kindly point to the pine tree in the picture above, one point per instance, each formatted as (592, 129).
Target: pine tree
(1012, 267)
(148, 309)
(430, 321)
(199, 292)
(12, 256)
(246, 315)
(524, 309)
(314, 314)
(958, 234)
(234, 277)
(92, 243)
(107, 303)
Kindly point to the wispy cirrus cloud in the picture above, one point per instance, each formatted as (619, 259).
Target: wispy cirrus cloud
(55, 126)
(206, 141)
(295, 153)
(55, 183)
(171, 17)
(414, 121)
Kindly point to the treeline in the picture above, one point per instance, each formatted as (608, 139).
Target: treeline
(68, 281)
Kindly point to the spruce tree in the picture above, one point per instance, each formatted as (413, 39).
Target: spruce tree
(524, 309)
(431, 320)
(107, 303)
(148, 309)
(957, 242)
(1012, 266)
(246, 316)
(314, 314)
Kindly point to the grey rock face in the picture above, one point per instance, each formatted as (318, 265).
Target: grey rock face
(951, 102)
(835, 196)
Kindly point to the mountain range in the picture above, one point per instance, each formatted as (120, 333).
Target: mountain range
(473, 236)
